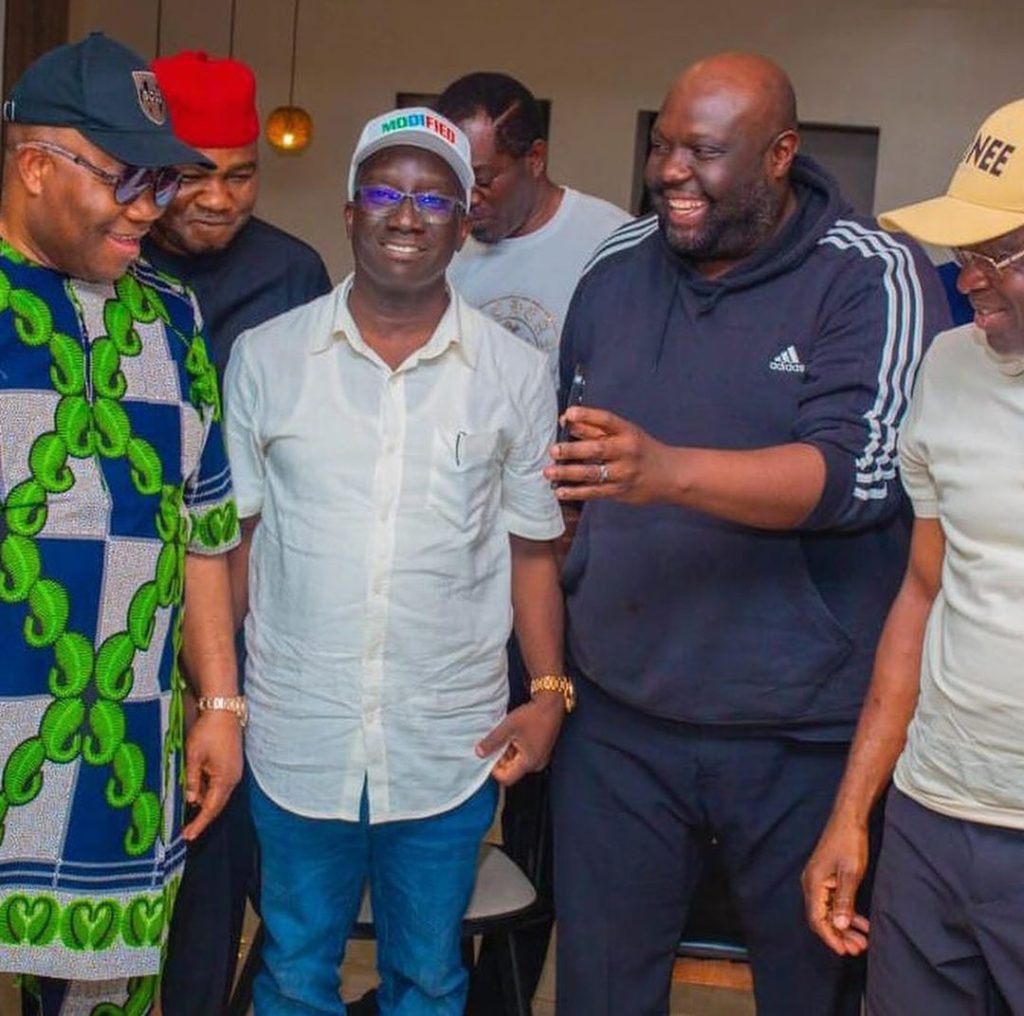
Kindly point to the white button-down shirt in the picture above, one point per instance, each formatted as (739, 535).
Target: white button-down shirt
(379, 575)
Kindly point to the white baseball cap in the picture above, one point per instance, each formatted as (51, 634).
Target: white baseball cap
(421, 128)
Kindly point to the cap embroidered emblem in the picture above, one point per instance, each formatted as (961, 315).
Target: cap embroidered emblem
(151, 99)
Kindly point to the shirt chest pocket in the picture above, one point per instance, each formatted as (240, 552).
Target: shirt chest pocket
(464, 476)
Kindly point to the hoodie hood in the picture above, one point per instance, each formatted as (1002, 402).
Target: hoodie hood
(819, 204)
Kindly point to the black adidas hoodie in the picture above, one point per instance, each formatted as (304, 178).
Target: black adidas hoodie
(817, 339)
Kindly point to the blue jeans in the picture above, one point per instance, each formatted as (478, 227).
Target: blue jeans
(421, 875)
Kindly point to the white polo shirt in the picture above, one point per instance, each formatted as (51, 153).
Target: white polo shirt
(379, 581)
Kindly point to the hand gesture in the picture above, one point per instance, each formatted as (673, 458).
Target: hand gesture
(830, 883)
(528, 735)
(610, 458)
(213, 766)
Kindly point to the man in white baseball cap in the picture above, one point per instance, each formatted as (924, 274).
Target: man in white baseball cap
(417, 127)
(388, 442)
(945, 709)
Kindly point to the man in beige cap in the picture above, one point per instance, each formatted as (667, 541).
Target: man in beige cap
(945, 709)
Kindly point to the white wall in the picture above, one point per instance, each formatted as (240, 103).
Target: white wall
(925, 73)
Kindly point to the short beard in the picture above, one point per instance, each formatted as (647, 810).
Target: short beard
(736, 225)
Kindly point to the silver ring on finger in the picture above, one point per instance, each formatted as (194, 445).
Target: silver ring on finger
(602, 472)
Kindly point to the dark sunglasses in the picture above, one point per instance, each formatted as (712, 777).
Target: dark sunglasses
(130, 183)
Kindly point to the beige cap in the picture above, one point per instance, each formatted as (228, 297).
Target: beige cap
(985, 198)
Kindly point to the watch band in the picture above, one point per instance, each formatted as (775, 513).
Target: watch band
(556, 682)
(235, 704)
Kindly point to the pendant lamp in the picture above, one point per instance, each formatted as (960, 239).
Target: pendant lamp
(290, 128)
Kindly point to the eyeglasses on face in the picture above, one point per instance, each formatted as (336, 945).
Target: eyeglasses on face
(129, 184)
(992, 267)
(433, 208)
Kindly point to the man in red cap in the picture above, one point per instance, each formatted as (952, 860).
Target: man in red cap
(244, 271)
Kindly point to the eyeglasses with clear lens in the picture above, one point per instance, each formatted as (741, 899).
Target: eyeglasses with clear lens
(433, 208)
(130, 183)
(990, 266)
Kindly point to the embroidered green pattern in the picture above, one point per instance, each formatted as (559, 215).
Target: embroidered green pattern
(85, 924)
(91, 925)
(141, 997)
(204, 389)
(85, 719)
(217, 526)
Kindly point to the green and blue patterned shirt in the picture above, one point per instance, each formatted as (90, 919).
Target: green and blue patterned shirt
(112, 470)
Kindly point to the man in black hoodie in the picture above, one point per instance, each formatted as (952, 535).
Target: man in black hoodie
(748, 354)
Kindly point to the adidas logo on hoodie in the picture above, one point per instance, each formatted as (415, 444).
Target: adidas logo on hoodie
(788, 360)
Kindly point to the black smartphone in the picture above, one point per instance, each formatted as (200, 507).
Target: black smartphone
(577, 390)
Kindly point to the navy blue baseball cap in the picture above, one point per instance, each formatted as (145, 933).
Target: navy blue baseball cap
(109, 95)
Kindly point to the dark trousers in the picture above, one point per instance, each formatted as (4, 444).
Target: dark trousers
(525, 834)
(206, 928)
(947, 918)
(634, 801)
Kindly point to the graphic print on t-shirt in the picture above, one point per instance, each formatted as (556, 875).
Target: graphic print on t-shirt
(527, 319)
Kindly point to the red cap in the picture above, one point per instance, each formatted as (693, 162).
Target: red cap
(212, 102)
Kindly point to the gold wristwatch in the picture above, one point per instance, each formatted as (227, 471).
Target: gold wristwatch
(556, 682)
(225, 703)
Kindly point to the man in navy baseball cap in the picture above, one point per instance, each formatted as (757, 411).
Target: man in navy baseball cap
(91, 159)
(111, 427)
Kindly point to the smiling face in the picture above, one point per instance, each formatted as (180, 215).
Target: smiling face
(397, 253)
(997, 297)
(718, 169)
(72, 222)
(212, 205)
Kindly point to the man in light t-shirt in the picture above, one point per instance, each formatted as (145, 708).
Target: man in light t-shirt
(530, 237)
(945, 710)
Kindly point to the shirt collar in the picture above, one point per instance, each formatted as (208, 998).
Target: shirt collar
(455, 329)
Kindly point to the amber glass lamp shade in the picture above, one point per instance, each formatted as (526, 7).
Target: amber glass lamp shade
(289, 128)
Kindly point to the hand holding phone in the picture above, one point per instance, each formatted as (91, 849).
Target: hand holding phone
(577, 390)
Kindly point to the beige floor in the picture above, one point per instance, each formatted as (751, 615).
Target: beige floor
(687, 1000)
(358, 976)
